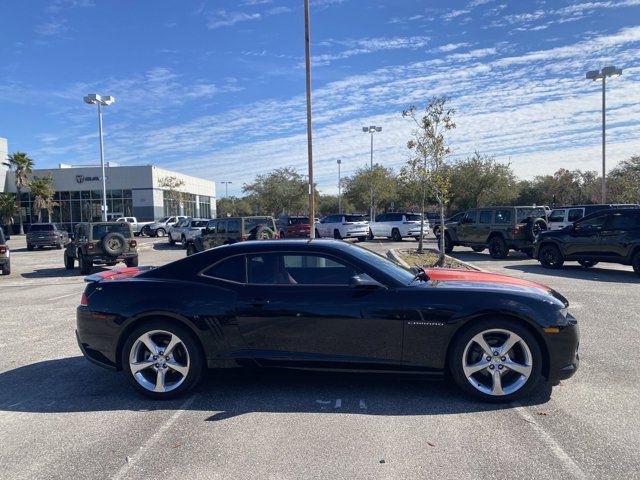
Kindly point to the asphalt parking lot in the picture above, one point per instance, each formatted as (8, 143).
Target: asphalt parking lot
(62, 417)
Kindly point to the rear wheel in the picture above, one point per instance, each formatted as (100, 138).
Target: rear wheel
(362, 239)
(395, 235)
(318, 234)
(336, 234)
(448, 244)
(162, 359)
(587, 263)
(496, 361)
(29, 247)
(6, 268)
(191, 249)
(498, 248)
(183, 241)
(550, 257)
(171, 240)
(69, 262)
(477, 249)
(85, 263)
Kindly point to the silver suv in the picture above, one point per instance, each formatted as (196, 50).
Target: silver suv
(186, 230)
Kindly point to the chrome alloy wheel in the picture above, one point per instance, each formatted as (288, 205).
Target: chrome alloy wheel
(159, 361)
(497, 362)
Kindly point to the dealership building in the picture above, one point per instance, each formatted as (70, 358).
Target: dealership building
(131, 191)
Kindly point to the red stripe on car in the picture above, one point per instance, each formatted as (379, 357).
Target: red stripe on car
(444, 274)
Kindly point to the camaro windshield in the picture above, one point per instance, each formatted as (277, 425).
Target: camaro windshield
(382, 263)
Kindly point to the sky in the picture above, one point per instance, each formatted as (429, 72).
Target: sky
(216, 89)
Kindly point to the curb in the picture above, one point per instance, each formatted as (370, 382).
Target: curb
(393, 255)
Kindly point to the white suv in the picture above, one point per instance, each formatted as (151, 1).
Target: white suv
(398, 226)
(343, 226)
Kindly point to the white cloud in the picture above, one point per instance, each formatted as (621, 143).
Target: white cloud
(222, 18)
(447, 17)
(369, 45)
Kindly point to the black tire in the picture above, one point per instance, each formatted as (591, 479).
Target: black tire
(478, 249)
(636, 262)
(189, 349)
(113, 244)
(528, 252)
(59, 246)
(171, 240)
(448, 244)
(498, 247)
(85, 263)
(183, 241)
(145, 231)
(457, 357)
(370, 235)
(318, 234)
(534, 227)
(587, 263)
(550, 256)
(395, 235)
(131, 262)
(69, 262)
(281, 234)
(417, 239)
(191, 249)
(160, 232)
(362, 239)
(6, 268)
(336, 234)
(29, 247)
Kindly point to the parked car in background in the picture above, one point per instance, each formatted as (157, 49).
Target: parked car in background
(498, 228)
(325, 305)
(453, 219)
(343, 226)
(186, 230)
(225, 231)
(398, 225)
(46, 235)
(5, 255)
(135, 224)
(6, 229)
(293, 226)
(561, 217)
(101, 243)
(611, 236)
(159, 228)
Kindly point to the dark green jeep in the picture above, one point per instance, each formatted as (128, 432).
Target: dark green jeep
(498, 228)
(101, 243)
(223, 231)
(5, 260)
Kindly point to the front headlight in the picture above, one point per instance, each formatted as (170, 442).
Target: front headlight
(564, 312)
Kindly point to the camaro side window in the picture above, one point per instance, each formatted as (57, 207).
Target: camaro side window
(293, 269)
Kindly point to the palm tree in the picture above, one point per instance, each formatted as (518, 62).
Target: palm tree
(42, 193)
(8, 208)
(23, 166)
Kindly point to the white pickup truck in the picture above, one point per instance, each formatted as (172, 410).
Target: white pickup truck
(135, 224)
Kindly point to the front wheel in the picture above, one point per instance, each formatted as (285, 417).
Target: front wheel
(496, 361)
(448, 244)
(161, 232)
(86, 264)
(477, 249)
(498, 248)
(131, 262)
(317, 234)
(395, 235)
(550, 257)
(162, 359)
(191, 249)
(362, 239)
(336, 234)
(171, 240)
(6, 268)
(587, 263)
(69, 262)
(29, 247)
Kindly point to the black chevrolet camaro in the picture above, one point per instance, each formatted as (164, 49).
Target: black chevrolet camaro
(324, 304)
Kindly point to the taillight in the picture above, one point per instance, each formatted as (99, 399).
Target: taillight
(90, 245)
(133, 243)
(83, 300)
(244, 238)
(3, 249)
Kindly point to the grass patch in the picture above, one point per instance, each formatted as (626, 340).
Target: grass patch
(428, 259)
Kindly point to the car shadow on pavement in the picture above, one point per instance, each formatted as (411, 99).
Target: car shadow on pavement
(594, 274)
(474, 257)
(58, 272)
(167, 246)
(35, 250)
(69, 385)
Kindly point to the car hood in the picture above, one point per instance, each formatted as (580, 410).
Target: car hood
(458, 278)
(552, 233)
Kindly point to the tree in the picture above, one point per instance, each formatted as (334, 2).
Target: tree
(234, 206)
(42, 193)
(174, 196)
(357, 188)
(480, 181)
(281, 191)
(22, 166)
(8, 208)
(566, 187)
(624, 181)
(427, 163)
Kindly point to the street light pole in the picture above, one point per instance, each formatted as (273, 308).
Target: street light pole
(595, 75)
(101, 101)
(339, 188)
(307, 51)
(372, 129)
(226, 188)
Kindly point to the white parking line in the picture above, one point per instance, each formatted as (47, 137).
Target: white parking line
(554, 446)
(131, 461)
(61, 296)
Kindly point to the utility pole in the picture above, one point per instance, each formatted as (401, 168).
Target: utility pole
(307, 48)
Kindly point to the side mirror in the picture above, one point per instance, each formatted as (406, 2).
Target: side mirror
(364, 281)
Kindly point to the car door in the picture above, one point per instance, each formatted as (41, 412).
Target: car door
(584, 236)
(618, 233)
(465, 228)
(480, 233)
(298, 307)
(378, 227)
